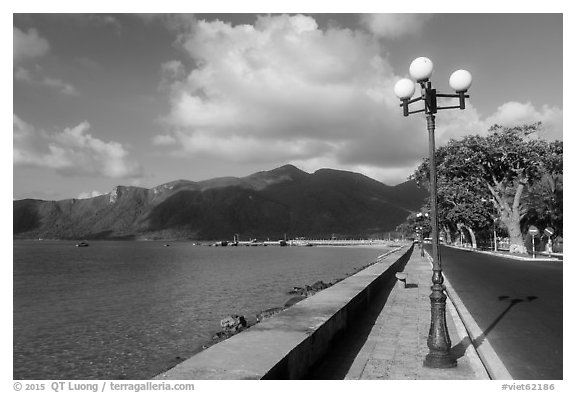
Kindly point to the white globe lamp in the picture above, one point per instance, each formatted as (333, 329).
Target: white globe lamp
(421, 69)
(460, 81)
(404, 89)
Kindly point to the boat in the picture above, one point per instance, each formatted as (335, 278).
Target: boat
(82, 244)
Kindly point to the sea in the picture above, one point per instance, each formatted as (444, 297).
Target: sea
(133, 309)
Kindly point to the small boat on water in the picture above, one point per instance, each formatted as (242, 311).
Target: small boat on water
(82, 244)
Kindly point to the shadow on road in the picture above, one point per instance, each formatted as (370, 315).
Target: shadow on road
(459, 349)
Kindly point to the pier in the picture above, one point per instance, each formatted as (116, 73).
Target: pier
(310, 242)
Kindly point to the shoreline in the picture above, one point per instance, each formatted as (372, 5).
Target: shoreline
(254, 320)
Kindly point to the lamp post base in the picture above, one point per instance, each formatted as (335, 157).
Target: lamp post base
(438, 338)
(439, 361)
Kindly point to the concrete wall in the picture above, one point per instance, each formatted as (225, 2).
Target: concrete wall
(289, 344)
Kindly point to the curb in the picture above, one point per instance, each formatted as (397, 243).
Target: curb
(518, 258)
(493, 365)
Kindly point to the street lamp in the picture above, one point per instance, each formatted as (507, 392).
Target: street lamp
(420, 217)
(421, 69)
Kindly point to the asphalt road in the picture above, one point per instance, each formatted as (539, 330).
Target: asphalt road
(517, 305)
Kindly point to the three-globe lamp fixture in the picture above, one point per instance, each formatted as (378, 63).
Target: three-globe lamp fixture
(421, 70)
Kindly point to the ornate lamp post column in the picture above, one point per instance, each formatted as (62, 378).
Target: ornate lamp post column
(421, 68)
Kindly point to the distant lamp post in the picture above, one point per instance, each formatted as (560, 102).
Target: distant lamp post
(461, 80)
(420, 217)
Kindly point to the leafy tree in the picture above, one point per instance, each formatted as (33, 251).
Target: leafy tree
(500, 167)
(410, 227)
(544, 201)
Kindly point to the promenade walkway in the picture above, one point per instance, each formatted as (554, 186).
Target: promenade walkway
(389, 342)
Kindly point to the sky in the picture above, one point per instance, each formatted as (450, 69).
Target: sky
(101, 100)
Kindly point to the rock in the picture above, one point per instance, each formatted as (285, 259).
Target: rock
(319, 285)
(309, 290)
(293, 300)
(269, 313)
(233, 323)
(223, 335)
(297, 291)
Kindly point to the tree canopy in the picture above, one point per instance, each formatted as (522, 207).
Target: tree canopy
(510, 167)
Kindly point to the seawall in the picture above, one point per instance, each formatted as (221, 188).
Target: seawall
(288, 345)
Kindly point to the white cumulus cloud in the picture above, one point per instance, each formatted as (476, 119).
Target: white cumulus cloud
(281, 90)
(72, 151)
(512, 114)
(28, 45)
(89, 194)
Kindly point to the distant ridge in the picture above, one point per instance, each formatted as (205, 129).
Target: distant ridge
(266, 204)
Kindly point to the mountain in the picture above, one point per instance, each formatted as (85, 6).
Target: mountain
(266, 204)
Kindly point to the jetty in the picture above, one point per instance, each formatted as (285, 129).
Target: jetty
(302, 242)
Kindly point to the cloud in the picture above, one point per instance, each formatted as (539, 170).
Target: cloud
(164, 140)
(36, 78)
(23, 75)
(173, 69)
(28, 45)
(394, 25)
(515, 113)
(175, 22)
(61, 86)
(71, 152)
(87, 195)
(86, 20)
(107, 21)
(283, 90)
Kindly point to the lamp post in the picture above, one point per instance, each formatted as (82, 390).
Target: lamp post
(420, 217)
(421, 69)
(495, 234)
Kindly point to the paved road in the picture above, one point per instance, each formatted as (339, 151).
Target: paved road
(518, 306)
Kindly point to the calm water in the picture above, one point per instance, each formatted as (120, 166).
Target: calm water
(131, 310)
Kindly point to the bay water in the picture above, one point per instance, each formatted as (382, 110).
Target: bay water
(130, 310)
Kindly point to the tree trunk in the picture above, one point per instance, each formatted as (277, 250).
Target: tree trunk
(510, 216)
(472, 236)
(516, 240)
(448, 235)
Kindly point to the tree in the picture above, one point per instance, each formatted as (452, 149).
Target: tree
(544, 201)
(410, 227)
(500, 167)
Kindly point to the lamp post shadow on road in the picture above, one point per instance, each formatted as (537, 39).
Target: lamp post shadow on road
(459, 349)
(439, 343)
